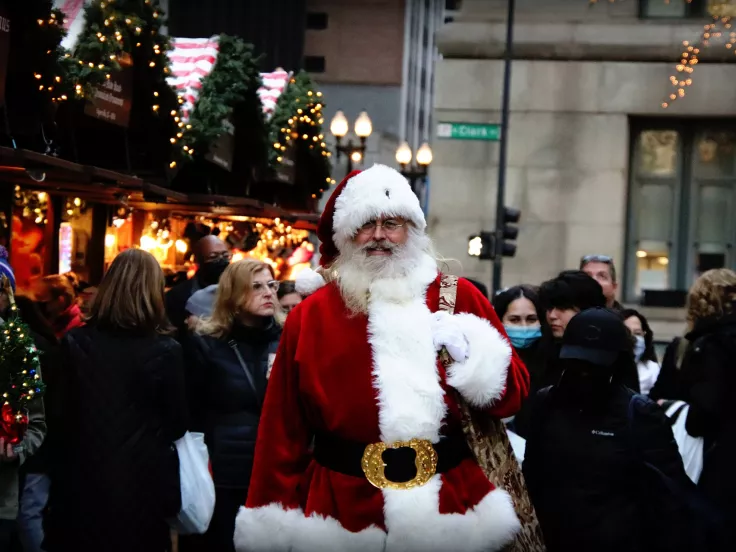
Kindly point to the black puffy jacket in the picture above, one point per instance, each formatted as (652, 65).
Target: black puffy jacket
(225, 404)
(583, 468)
(119, 402)
(709, 381)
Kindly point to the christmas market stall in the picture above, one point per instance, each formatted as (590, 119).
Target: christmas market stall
(119, 136)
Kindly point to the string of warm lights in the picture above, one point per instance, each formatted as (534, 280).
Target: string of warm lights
(721, 26)
(52, 83)
(34, 204)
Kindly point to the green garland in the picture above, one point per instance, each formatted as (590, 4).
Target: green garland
(113, 29)
(297, 122)
(233, 82)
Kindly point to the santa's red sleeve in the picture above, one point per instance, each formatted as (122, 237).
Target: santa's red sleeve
(282, 451)
(493, 377)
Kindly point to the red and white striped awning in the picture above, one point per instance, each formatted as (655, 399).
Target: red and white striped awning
(73, 20)
(273, 86)
(192, 59)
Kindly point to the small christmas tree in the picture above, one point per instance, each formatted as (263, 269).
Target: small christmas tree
(20, 374)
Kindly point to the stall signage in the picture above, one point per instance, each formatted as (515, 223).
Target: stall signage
(222, 150)
(286, 169)
(112, 101)
(4, 49)
(66, 243)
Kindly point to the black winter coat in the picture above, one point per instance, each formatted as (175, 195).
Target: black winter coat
(120, 404)
(709, 377)
(583, 469)
(224, 403)
(534, 360)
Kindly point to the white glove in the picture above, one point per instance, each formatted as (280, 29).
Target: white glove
(446, 332)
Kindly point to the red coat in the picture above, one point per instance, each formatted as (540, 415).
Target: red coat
(370, 379)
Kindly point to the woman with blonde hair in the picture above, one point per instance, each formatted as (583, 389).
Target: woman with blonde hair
(709, 386)
(229, 356)
(120, 398)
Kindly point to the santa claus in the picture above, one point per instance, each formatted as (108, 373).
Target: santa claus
(360, 446)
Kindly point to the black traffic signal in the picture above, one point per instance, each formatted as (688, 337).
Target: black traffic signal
(509, 233)
(482, 246)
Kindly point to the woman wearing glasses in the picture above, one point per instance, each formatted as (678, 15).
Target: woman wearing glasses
(229, 356)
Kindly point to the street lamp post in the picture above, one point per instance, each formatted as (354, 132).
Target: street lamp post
(411, 172)
(339, 127)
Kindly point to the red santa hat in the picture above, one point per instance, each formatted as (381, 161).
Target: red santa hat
(362, 196)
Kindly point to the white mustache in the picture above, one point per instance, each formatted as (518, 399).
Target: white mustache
(378, 244)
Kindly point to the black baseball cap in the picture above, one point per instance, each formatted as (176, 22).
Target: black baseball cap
(596, 335)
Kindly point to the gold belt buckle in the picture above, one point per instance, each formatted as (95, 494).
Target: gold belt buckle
(374, 467)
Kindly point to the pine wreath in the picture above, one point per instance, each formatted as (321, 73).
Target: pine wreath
(232, 84)
(297, 122)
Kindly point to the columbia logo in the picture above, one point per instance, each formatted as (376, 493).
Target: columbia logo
(603, 433)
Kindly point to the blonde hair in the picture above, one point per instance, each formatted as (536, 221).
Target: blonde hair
(235, 286)
(59, 285)
(712, 295)
(131, 295)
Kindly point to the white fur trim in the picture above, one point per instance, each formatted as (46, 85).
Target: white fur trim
(411, 400)
(308, 281)
(375, 192)
(482, 377)
(411, 404)
(275, 529)
(414, 523)
(412, 518)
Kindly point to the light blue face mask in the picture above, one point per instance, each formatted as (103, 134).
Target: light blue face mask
(522, 337)
(639, 347)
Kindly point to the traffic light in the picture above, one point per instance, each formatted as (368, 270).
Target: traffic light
(482, 246)
(509, 233)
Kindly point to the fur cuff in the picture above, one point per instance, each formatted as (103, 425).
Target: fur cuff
(481, 379)
(273, 528)
(308, 281)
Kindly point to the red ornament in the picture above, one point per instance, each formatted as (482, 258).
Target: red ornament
(13, 426)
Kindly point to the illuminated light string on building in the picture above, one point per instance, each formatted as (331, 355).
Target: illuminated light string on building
(721, 28)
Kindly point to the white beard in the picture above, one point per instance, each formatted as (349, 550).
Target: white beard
(357, 272)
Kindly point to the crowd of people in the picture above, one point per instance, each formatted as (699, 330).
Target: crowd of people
(296, 385)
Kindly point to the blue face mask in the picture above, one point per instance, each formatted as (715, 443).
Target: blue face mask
(639, 347)
(522, 337)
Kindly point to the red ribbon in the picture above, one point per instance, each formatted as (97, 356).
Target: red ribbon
(13, 426)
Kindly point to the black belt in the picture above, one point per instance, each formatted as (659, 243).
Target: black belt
(344, 456)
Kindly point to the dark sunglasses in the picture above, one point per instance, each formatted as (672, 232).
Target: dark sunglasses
(595, 259)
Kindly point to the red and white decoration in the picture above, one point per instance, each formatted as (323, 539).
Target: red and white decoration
(192, 59)
(73, 20)
(274, 85)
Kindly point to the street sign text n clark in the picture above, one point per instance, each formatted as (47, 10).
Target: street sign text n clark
(469, 131)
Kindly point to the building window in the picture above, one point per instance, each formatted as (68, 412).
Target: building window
(314, 64)
(682, 194)
(316, 21)
(672, 9)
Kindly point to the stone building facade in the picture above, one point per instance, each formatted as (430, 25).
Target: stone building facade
(595, 163)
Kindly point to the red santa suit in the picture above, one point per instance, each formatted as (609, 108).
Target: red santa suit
(375, 378)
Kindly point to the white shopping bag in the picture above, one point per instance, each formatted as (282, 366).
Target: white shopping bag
(691, 448)
(197, 487)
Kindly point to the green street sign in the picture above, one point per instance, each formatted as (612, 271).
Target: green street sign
(469, 131)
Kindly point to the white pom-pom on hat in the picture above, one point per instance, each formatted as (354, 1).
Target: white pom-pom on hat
(308, 281)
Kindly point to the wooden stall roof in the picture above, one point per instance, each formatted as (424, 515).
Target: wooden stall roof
(53, 175)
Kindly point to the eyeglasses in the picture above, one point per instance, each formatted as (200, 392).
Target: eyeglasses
(389, 226)
(260, 287)
(595, 259)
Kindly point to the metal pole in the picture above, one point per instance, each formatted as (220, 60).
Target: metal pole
(501, 190)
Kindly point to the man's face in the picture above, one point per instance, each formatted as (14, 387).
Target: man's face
(601, 273)
(214, 250)
(380, 237)
(558, 320)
